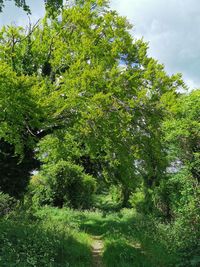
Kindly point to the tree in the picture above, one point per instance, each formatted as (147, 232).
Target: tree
(183, 132)
(15, 171)
(19, 118)
(110, 95)
(94, 85)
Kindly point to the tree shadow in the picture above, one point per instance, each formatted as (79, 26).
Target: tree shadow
(106, 226)
(128, 242)
(121, 254)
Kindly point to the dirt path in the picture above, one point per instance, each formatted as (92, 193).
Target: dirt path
(97, 249)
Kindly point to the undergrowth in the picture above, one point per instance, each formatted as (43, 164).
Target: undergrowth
(42, 242)
(63, 237)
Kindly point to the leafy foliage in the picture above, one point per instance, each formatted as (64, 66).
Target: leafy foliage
(7, 204)
(42, 243)
(183, 131)
(63, 184)
(84, 106)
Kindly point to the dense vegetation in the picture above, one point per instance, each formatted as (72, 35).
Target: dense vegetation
(95, 139)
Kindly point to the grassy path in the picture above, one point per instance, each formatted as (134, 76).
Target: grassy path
(81, 239)
(128, 240)
(97, 250)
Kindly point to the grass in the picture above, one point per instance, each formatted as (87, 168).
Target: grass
(128, 240)
(63, 237)
(43, 242)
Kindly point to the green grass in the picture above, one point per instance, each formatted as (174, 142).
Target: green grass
(63, 237)
(129, 240)
(43, 242)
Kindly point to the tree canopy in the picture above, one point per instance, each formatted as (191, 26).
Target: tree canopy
(81, 78)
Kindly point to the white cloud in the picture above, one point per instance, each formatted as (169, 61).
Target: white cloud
(172, 29)
(14, 15)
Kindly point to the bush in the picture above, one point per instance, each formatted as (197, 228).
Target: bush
(185, 235)
(7, 204)
(137, 200)
(179, 195)
(42, 243)
(63, 184)
(39, 192)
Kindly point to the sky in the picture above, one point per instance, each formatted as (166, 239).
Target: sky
(171, 27)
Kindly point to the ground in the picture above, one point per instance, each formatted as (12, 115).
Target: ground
(68, 238)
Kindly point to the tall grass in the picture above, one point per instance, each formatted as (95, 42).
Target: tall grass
(42, 242)
(63, 237)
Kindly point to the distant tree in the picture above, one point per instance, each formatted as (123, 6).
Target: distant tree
(183, 132)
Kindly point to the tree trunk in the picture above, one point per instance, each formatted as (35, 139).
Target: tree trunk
(125, 194)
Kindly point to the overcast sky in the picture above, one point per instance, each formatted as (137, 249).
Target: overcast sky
(172, 28)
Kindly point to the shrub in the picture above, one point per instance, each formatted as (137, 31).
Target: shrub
(39, 192)
(7, 203)
(185, 234)
(137, 199)
(63, 184)
(42, 243)
(180, 195)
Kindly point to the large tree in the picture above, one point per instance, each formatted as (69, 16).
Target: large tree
(109, 95)
(97, 88)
